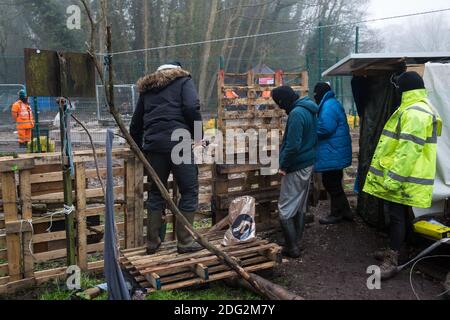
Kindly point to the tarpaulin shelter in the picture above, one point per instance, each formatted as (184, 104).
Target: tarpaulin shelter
(376, 100)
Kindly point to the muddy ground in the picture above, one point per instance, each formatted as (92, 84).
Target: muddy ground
(334, 262)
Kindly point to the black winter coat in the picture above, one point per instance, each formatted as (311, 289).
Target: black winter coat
(168, 101)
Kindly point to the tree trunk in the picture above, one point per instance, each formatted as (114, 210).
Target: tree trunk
(206, 52)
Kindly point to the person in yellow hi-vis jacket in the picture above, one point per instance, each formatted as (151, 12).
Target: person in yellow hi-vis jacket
(403, 168)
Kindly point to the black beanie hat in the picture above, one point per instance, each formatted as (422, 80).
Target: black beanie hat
(410, 81)
(284, 97)
(320, 90)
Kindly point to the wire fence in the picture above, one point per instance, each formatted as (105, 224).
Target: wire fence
(94, 112)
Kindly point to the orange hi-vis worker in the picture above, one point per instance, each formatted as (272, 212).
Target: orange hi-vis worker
(267, 94)
(23, 116)
(230, 94)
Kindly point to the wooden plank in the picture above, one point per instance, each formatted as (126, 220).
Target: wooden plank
(139, 203)
(61, 235)
(201, 271)
(58, 197)
(16, 165)
(180, 266)
(80, 215)
(57, 176)
(9, 195)
(155, 280)
(61, 253)
(215, 277)
(261, 196)
(237, 168)
(130, 199)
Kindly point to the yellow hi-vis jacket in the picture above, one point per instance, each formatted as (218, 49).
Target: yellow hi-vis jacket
(404, 165)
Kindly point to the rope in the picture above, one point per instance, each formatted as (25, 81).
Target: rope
(277, 32)
(66, 211)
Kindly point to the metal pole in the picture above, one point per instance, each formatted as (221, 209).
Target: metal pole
(133, 96)
(357, 40)
(37, 126)
(320, 51)
(221, 63)
(98, 103)
(67, 181)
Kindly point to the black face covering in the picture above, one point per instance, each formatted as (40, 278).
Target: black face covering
(285, 97)
(320, 90)
(24, 100)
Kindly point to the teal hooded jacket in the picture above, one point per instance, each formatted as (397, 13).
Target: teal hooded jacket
(298, 150)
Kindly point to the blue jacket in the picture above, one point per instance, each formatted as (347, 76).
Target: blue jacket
(300, 138)
(334, 151)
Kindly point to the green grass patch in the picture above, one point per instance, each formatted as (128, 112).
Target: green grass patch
(215, 292)
(57, 290)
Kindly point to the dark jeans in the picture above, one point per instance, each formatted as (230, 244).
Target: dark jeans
(332, 181)
(398, 224)
(186, 177)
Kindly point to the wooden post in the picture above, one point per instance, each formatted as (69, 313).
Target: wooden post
(139, 203)
(67, 181)
(9, 195)
(130, 199)
(80, 184)
(27, 214)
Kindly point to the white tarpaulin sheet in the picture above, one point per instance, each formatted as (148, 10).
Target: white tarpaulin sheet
(437, 82)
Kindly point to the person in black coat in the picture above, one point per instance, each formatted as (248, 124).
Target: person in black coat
(168, 102)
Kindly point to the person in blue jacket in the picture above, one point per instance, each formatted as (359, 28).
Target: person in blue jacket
(297, 157)
(334, 152)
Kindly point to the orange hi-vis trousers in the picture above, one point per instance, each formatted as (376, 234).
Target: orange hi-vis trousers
(24, 135)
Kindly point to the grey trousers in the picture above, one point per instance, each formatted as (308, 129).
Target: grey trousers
(294, 193)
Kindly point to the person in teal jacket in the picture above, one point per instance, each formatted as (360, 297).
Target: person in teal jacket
(334, 152)
(297, 157)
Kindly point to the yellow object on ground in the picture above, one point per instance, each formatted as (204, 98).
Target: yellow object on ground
(211, 124)
(353, 121)
(43, 140)
(432, 230)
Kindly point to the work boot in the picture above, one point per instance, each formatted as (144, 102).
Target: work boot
(389, 267)
(335, 215)
(299, 222)
(154, 223)
(291, 248)
(380, 254)
(309, 218)
(186, 244)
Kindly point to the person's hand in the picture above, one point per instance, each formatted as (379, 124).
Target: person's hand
(282, 173)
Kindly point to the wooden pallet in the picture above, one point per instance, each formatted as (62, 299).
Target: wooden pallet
(168, 270)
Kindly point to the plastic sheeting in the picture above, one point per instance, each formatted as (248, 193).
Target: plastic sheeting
(376, 101)
(437, 82)
(117, 287)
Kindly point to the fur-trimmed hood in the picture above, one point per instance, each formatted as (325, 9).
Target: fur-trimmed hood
(160, 79)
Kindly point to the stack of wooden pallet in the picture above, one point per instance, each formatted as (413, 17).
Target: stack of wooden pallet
(168, 270)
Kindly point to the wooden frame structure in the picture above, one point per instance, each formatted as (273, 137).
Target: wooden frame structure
(31, 191)
(245, 104)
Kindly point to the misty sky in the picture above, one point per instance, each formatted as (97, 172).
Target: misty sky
(383, 8)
